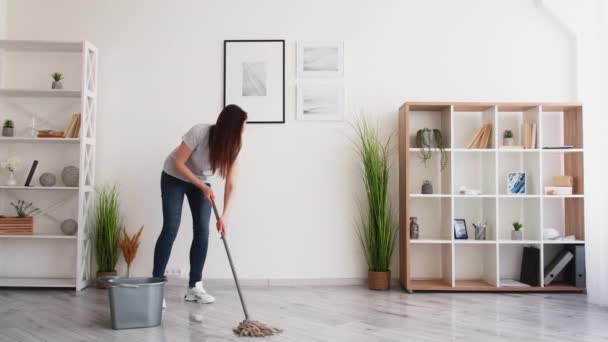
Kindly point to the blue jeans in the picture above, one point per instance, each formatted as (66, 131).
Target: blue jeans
(173, 191)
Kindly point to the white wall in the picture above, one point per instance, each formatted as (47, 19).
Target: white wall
(161, 72)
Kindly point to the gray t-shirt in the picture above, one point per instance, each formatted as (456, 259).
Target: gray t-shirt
(197, 139)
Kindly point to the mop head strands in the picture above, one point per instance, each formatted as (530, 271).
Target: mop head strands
(253, 328)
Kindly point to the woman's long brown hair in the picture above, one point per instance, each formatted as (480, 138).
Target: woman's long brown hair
(225, 139)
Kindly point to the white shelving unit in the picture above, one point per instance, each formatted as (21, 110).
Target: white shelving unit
(437, 261)
(48, 258)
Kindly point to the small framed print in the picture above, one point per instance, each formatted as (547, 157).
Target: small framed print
(460, 230)
(516, 183)
(320, 59)
(320, 100)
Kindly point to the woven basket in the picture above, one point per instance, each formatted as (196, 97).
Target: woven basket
(16, 225)
(378, 280)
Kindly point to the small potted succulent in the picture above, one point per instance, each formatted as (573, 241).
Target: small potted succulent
(517, 233)
(427, 188)
(8, 128)
(507, 138)
(57, 77)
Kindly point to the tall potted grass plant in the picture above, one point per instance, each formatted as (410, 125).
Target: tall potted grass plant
(106, 232)
(377, 229)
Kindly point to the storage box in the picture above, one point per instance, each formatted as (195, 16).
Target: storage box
(558, 190)
(566, 181)
(16, 225)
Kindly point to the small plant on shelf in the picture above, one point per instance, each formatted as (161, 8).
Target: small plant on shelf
(517, 233)
(8, 128)
(426, 140)
(11, 165)
(57, 77)
(24, 209)
(507, 138)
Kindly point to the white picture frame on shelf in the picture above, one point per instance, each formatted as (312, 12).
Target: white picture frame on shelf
(320, 101)
(320, 59)
(517, 183)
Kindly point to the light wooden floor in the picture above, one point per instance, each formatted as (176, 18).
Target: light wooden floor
(347, 313)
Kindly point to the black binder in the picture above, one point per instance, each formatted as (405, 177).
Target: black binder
(530, 266)
(575, 271)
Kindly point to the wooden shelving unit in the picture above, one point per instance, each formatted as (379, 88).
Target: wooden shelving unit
(48, 258)
(438, 262)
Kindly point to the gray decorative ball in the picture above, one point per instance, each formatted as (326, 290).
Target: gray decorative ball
(47, 179)
(69, 227)
(69, 176)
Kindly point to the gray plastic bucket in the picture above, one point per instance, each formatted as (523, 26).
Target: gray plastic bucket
(136, 302)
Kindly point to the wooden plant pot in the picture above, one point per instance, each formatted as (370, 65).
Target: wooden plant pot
(379, 281)
(100, 284)
(16, 225)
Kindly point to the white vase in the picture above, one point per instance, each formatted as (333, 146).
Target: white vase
(517, 234)
(508, 142)
(11, 181)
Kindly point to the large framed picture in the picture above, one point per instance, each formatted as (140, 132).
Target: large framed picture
(254, 78)
(460, 229)
(516, 183)
(320, 59)
(320, 100)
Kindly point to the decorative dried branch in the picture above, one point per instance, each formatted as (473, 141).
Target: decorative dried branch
(129, 247)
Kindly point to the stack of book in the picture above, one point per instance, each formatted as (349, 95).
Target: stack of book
(529, 130)
(73, 129)
(482, 138)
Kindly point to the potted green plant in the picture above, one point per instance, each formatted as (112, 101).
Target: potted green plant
(507, 138)
(106, 233)
(8, 128)
(377, 229)
(57, 77)
(517, 233)
(428, 139)
(23, 223)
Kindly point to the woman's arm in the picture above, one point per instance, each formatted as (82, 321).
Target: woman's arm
(182, 155)
(229, 189)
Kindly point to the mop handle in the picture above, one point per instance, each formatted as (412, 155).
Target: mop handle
(236, 279)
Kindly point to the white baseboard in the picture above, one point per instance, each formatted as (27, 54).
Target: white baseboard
(274, 282)
(307, 282)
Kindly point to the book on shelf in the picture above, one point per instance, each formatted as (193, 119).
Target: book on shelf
(73, 128)
(31, 173)
(529, 130)
(482, 138)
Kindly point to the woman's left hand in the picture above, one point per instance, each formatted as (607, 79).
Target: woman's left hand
(221, 225)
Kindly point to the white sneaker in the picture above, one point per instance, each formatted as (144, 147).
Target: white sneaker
(198, 294)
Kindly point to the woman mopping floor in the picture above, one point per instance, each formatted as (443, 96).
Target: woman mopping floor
(204, 150)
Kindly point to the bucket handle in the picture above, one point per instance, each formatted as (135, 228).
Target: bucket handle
(133, 286)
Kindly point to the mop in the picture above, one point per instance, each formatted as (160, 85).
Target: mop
(247, 327)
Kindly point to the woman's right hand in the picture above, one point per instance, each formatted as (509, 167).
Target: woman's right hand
(208, 192)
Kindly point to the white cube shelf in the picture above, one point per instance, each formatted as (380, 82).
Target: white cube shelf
(438, 261)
